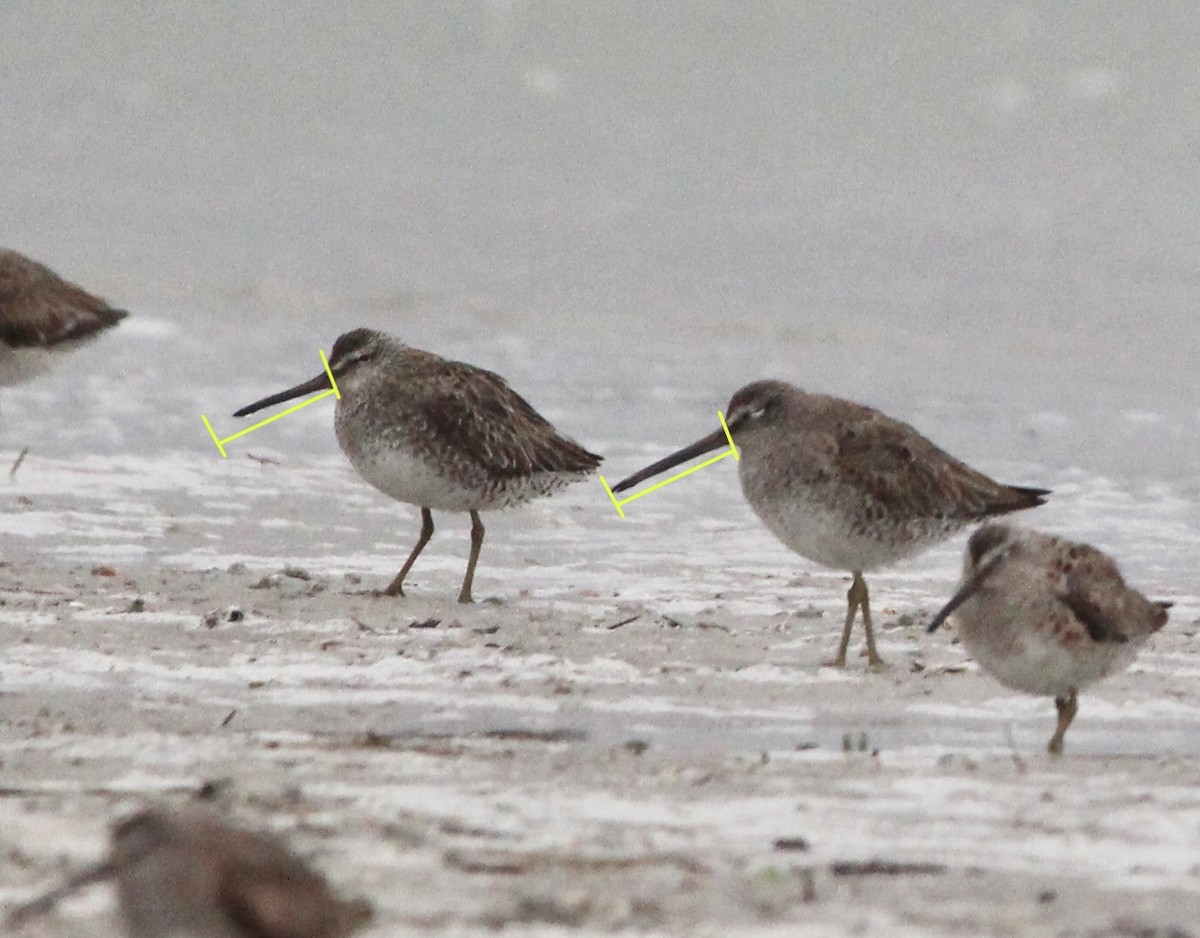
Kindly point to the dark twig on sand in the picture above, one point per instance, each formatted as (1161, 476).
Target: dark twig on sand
(17, 462)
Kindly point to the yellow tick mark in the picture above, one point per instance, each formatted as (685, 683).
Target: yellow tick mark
(732, 451)
(333, 381)
(283, 413)
(213, 434)
(616, 502)
(728, 436)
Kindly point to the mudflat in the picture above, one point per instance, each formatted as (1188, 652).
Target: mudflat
(567, 760)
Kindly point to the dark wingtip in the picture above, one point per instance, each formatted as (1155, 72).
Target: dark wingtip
(587, 462)
(1018, 498)
(574, 458)
(1162, 612)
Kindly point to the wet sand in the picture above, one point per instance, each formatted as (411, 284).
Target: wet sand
(663, 754)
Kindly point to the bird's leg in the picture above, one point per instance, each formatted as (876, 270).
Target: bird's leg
(476, 542)
(1067, 707)
(854, 598)
(873, 658)
(396, 588)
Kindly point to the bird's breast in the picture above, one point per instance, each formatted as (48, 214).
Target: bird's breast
(819, 517)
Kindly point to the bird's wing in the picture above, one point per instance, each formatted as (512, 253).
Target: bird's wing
(1096, 594)
(37, 307)
(470, 412)
(272, 894)
(911, 477)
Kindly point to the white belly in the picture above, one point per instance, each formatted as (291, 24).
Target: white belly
(1016, 643)
(407, 478)
(20, 365)
(835, 535)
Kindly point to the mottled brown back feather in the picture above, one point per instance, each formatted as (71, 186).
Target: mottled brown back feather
(1124, 615)
(470, 412)
(1094, 617)
(914, 478)
(269, 893)
(39, 308)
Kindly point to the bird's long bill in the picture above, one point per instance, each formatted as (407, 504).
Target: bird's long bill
(319, 383)
(714, 440)
(44, 903)
(964, 593)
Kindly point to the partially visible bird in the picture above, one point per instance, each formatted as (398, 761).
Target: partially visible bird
(1047, 616)
(42, 315)
(185, 873)
(845, 485)
(439, 434)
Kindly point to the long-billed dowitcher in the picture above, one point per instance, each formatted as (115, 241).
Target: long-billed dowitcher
(1047, 616)
(185, 872)
(42, 315)
(845, 485)
(439, 434)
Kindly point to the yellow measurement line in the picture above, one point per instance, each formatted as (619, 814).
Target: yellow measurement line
(674, 478)
(616, 503)
(728, 436)
(732, 451)
(334, 390)
(279, 416)
(338, 394)
(213, 434)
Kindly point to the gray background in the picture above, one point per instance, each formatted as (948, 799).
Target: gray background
(978, 217)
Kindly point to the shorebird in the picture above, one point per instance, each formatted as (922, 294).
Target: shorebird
(845, 485)
(188, 873)
(42, 315)
(439, 434)
(1047, 616)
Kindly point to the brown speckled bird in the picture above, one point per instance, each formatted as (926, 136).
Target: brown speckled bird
(845, 485)
(439, 434)
(42, 315)
(1047, 616)
(186, 872)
